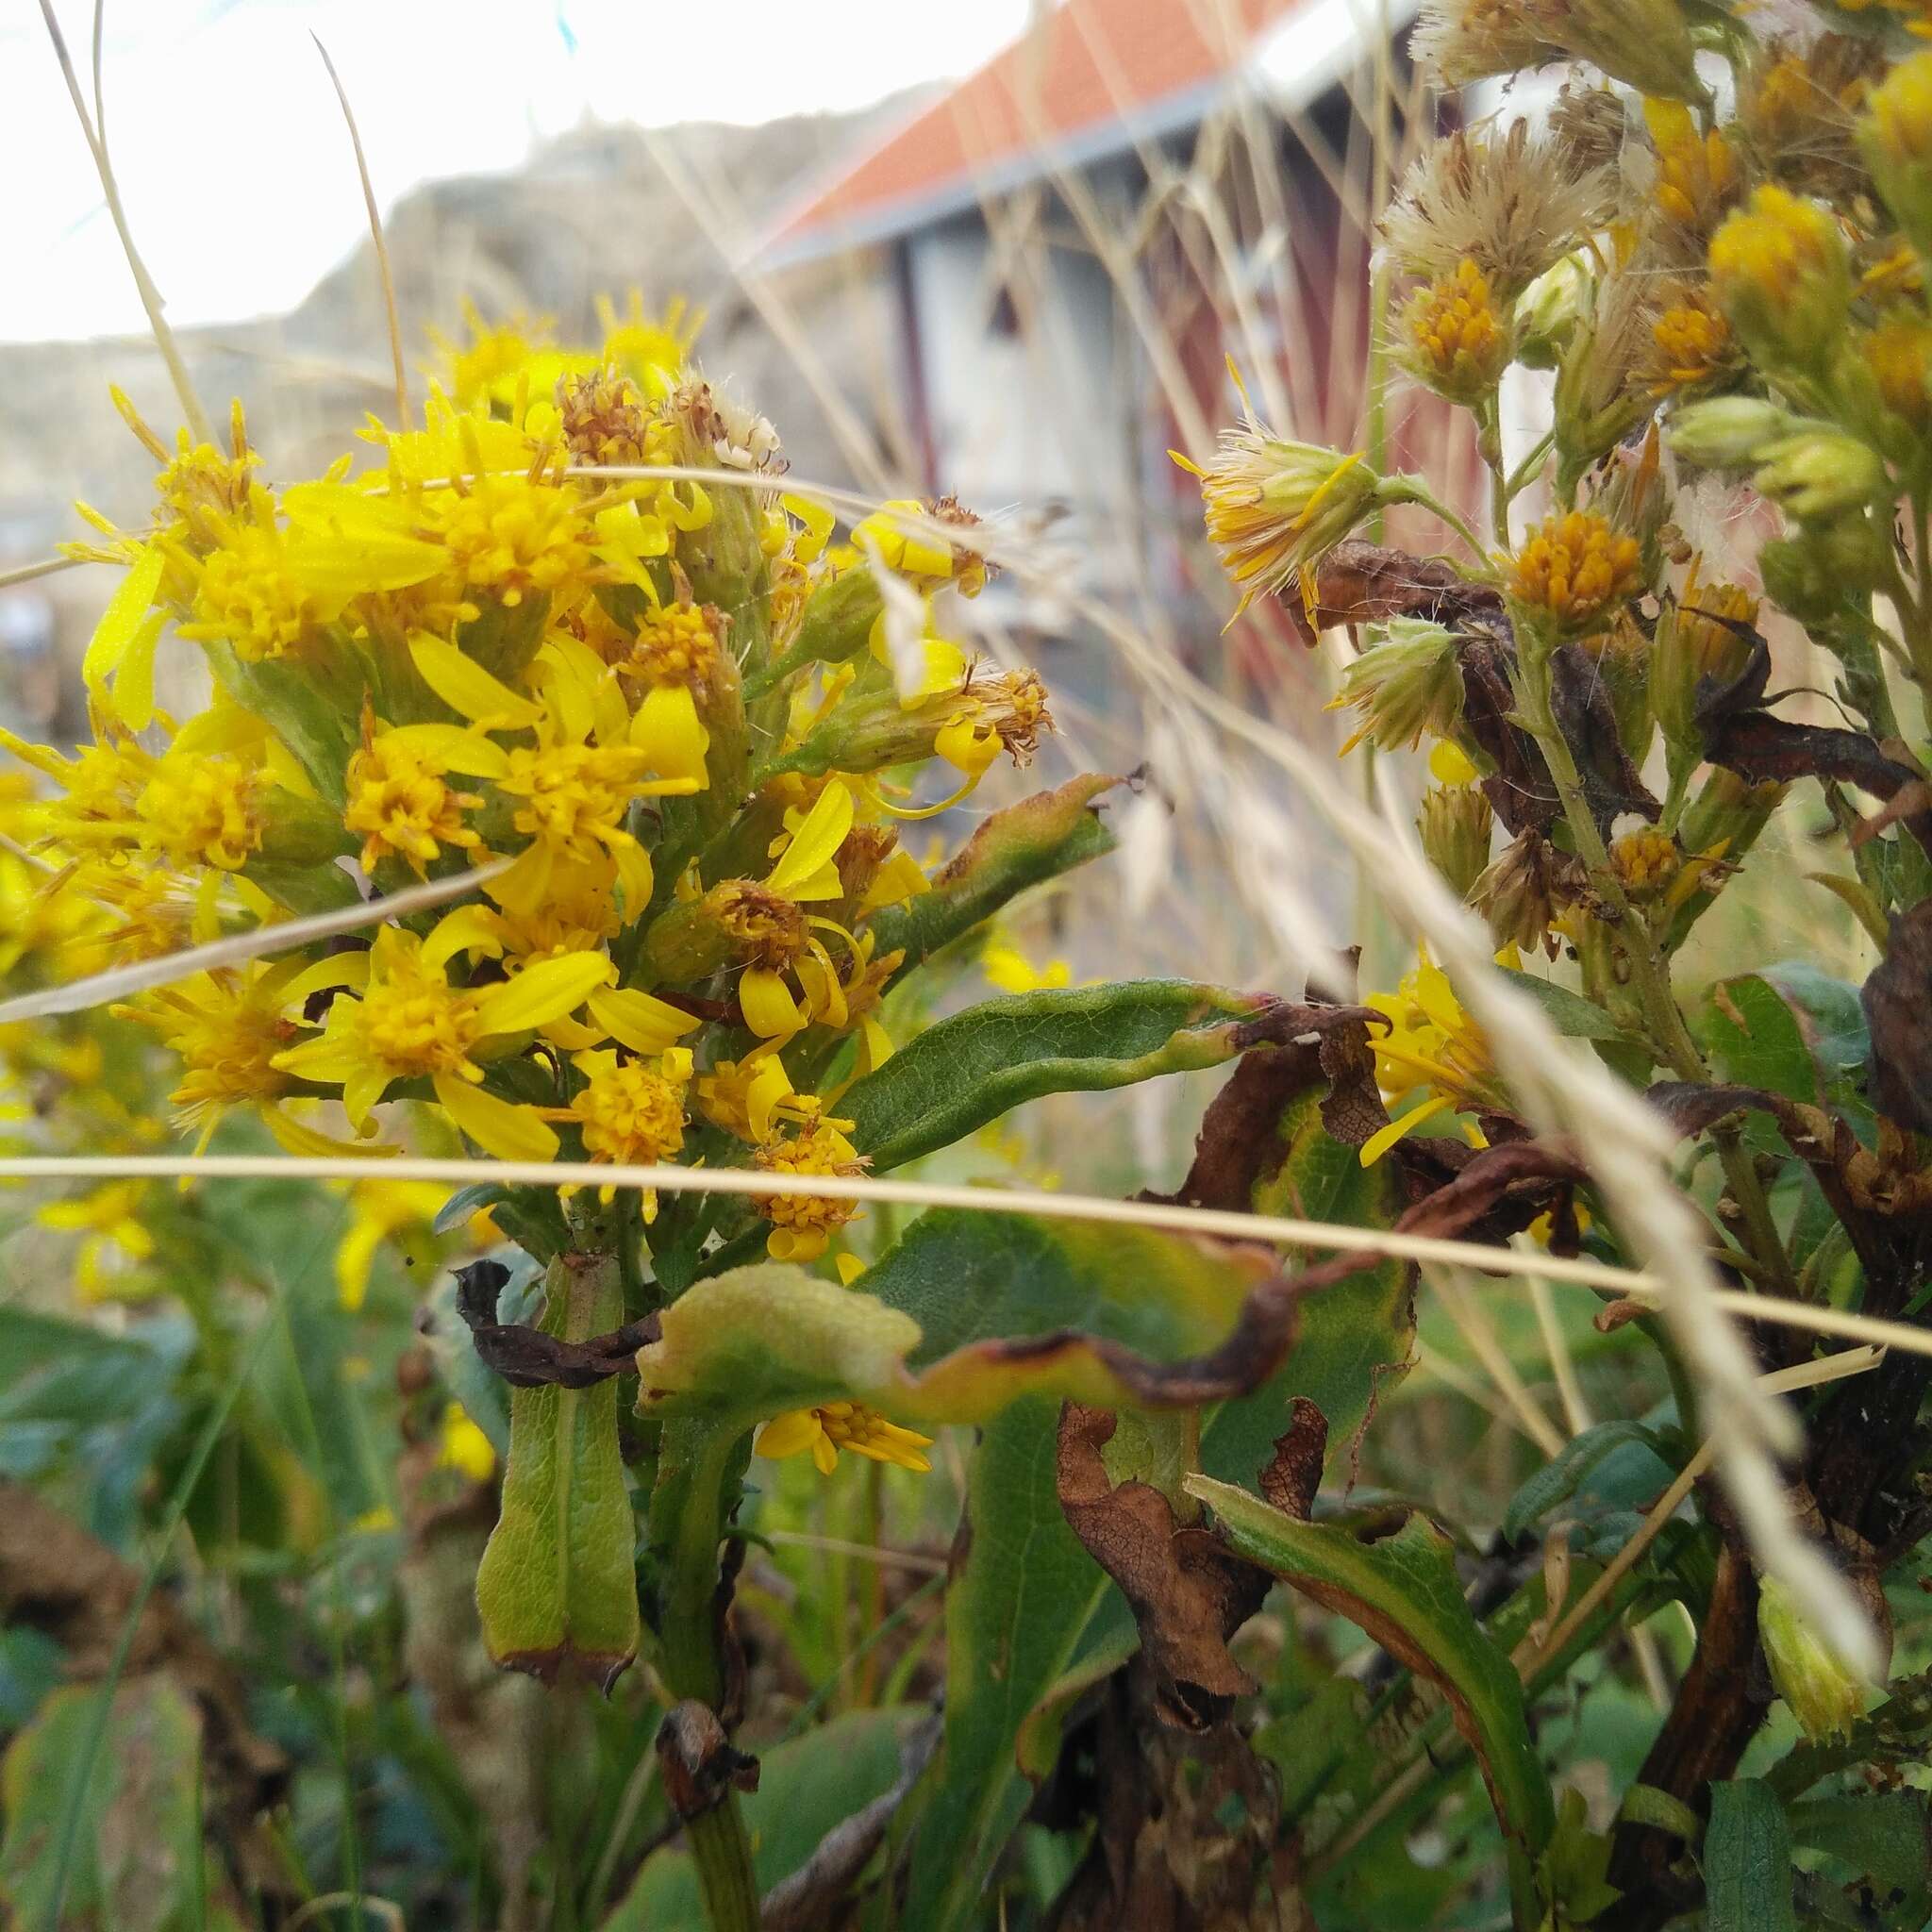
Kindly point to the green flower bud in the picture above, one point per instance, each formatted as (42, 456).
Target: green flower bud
(1813, 572)
(1455, 826)
(1696, 640)
(1726, 432)
(1821, 472)
(1407, 684)
(1547, 312)
(1824, 1693)
(837, 619)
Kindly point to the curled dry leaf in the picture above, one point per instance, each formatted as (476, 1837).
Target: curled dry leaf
(1367, 583)
(1897, 998)
(525, 1357)
(1188, 1592)
(698, 1761)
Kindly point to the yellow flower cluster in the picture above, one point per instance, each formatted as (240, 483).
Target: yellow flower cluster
(1571, 570)
(650, 735)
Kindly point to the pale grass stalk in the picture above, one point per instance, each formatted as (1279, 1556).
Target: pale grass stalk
(46, 567)
(383, 271)
(192, 411)
(142, 976)
(1576, 1413)
(866, 1553)
(1426, 1362)
(1224, 1223)
(1474, 1326)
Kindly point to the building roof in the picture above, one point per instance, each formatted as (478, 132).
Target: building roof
(1091, 79)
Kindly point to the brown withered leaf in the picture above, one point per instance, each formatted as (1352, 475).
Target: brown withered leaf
(1498, 1192)
(1286, 1051)
(699, 1763)
(1521, 791)
(1588, 720)
(1367, 583)
(1741, 734)
(1188, 1592)
(525, 1357)
(1292, 1474)
(1897, 999)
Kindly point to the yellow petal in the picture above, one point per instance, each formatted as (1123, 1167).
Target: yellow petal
(816, 842)
(668, 731)
(544, 990)
(1379, 1142)
(770, 1010)
(639, 1021)
(468, 929)
(455, 747)
(342, 969)
(466, 688)
(134, 687)
(790, 1434)
(122, 621)
(498, 1126)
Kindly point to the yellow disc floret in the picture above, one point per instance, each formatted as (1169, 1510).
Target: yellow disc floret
(1571, 570)
(802, 1225)
(1456, 343)
(398, 800)
(202, 810)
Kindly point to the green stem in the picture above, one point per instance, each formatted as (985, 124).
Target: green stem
(1649, 971)
(1418, 492)
(697, 1463)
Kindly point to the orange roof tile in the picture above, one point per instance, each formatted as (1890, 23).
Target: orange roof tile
(1089, 78)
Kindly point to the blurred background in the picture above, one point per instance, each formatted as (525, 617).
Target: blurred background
(1008, 250)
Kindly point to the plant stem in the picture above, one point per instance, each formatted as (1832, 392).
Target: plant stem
(1649, 970)
(721, 1853)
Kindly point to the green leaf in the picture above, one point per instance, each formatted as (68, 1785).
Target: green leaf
(1035, 839)
(1014, 1613)
(558, 1581)
(952, 1324)
(1747, 1861)
(1568, 1012)
(1352, 1335)
(970, 1069)
(1880, 1836)
(1615, 1464)
(531, 1217)
(1403, 1591)
(1756, 1036)
(806, 1786)
(139, 1864)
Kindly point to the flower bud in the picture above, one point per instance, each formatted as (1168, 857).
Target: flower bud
(1547, 312)
(1821, 472)
(1781, 274)
(1455, 828)
(1728, 814)
(1813, 573)
(838, 620)
(1405, 685)
(1698, 640)
(1521, 892)
(1726, 432)
(1895, 137)
(1825, 1694)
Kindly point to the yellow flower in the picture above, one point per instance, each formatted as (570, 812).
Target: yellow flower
(1572, 569)
(117, 1239)
(1647, 861)
(379, 1211)
(398, 799)
(630, 1112)
(835, 1426)
(1274, 508)
(802, 1225)
(1697, 172)
(1455, 340)
(927, 560)
(676, 656)
(202, 810)
(230, 1027)
(1895, 137)
(1693, 340)
(1431, 1050)
(412, 1024)
(1899, 354)
(1779, 270)
(464, 1447)
(1009, 967)
(750, 1096)
(573, 787)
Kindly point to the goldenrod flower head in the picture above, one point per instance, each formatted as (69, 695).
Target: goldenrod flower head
(198, 809)
(1694, 342)
(1645, 860)
(1697, 172)
(1727, 432)
(1780, 272)
(630, 1112)
(114, 1223)
(399, 800)
(1899, 354)
(510, 537)
(1002, 713)
(463, 1447)
(1511, 205)
(1276, 508)
(835, 1426)
(803, 1224)
(1571, 570)
(1713, 623)
(675, 644)
(1454, 342)
(1895, 137)
(765, 928)
(924, 558)
(1644, 43)
(713, 428)
(1824, 1693)
(1547, 312)
(379, 1210)
(651, 349)
(1405, 684)
(252, 593)
(1432, 1049)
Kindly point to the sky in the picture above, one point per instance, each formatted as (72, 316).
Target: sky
(235, 167)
